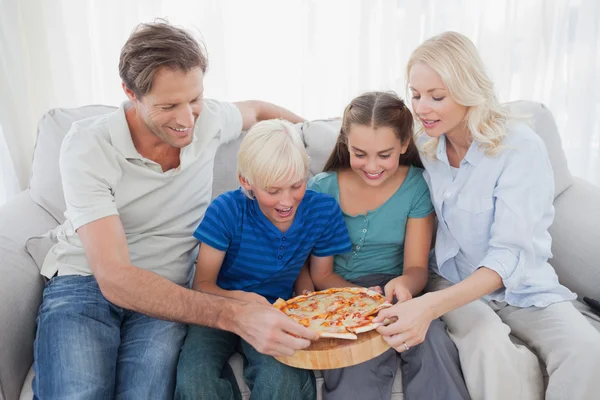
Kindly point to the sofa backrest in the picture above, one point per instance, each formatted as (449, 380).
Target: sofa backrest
(319, 137)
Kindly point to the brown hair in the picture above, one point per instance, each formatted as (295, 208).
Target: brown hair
(156, 45)
(375, 109)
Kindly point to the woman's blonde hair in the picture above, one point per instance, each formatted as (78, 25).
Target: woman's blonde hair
(454, 57)
(272, 152)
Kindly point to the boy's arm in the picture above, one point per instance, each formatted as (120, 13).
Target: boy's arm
(321, 272)
(304, 282)
(208, 266)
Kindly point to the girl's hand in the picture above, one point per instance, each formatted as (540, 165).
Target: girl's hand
(413, 320)
(396, 288)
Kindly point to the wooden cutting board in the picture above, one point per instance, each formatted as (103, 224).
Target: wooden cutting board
(338, 353)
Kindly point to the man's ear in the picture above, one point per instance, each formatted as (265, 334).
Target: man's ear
(130, 95)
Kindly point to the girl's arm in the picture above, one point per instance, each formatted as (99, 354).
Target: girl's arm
(419, 232)
(321, 272)
(208, 266)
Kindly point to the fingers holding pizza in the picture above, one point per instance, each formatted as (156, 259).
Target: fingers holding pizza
(412, 320)
(271, 332)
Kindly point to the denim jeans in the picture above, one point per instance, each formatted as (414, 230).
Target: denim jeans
(88, 348)
(203, 372)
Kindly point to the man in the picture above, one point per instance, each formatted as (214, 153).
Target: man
(137, 183)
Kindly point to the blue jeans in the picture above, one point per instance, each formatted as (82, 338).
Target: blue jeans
(203, 371)
(88, 348)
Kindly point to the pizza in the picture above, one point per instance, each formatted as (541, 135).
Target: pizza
(337, 312)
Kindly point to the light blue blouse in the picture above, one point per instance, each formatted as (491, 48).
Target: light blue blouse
(495, 212)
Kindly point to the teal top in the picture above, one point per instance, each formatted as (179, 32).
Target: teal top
(378, 237)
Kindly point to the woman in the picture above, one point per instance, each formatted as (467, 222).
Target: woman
(492, 188)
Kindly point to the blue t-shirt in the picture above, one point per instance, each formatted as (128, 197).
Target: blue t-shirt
(378, 236)
(259, 257)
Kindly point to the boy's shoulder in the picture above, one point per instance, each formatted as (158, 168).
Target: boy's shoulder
(318, 205)
(231, 199)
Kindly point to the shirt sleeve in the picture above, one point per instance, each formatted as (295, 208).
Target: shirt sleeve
(217, 227)
(523, 207)
(335, 238)
(89, 173)
(421, 205)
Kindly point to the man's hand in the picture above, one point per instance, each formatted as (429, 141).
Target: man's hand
(270, 331)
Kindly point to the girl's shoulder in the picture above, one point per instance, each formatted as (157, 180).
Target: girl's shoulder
(323, 182)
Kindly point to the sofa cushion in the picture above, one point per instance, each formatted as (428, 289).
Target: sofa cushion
(542, 122)
(320, 137)
(45, 186)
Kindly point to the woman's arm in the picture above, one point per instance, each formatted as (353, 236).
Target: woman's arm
(419, 232)
(208, 266)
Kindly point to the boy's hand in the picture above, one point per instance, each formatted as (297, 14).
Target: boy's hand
(396, 288)
(251, 297)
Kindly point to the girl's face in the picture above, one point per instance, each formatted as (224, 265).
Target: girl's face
(374, 153)
(432, 104)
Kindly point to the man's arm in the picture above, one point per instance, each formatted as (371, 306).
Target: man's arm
(128, 286)
(254, 111)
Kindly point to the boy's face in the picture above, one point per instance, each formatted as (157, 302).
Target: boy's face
(279, 202)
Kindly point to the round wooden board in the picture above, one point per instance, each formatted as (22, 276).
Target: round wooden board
(338, 353)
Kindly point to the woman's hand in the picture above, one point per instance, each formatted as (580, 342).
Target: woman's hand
(398, 289)
(409, 329)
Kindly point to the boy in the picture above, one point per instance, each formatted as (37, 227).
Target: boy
(254, 242)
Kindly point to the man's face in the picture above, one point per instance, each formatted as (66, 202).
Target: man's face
(170, 110)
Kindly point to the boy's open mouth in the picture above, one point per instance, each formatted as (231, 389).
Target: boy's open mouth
(284, 212)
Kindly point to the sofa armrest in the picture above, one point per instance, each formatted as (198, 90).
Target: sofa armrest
(20, 289)
(576, 238)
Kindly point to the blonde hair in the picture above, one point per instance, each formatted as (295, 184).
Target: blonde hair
(454, 57)
(272, 152)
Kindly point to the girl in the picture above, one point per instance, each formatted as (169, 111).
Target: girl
(492, 188)
(374, 173)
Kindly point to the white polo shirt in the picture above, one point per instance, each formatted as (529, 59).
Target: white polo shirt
(103, 174)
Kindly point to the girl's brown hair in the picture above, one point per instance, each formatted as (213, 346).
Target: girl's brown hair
(375, 109)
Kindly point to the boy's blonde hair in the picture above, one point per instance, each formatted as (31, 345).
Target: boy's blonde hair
(272, 152)
(454, 57)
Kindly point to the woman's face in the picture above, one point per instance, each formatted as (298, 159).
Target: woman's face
(432, 104)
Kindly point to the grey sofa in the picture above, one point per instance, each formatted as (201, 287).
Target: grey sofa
(576, 230)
